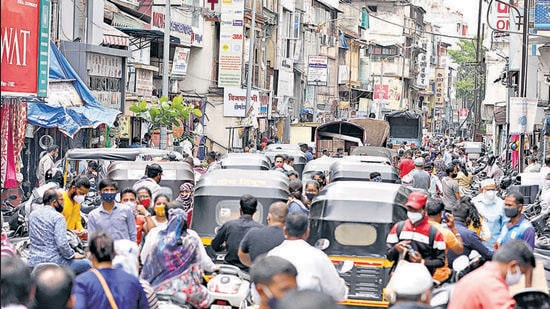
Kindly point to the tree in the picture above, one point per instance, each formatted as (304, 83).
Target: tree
(165, 113)
(465, 57)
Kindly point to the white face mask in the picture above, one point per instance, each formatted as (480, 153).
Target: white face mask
(547, 183)
(79, 198)
(415, 216)
(489, 196)
(131, 205)
(511, 278)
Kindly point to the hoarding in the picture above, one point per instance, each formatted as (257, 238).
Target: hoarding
(542, 14)
(234, 102)
(317, 71)
(231, 43)
(24, 47)
(439, 87)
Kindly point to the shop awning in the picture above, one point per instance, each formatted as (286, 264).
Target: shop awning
(141, 38)
(114, 37)
(67, 115)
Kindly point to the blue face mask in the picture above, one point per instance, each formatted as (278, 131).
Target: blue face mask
(310, 196)
(108, 197)
(272, 301)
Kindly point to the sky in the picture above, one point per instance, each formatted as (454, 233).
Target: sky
(469, 9)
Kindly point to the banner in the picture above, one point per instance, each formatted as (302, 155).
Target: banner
(181, 59)
(317, 71)
(542, 14)
(231, 43)
(463, 114)
(394, 94)
(439, 87)
(24, 41)
(234, 102)
(523, 112)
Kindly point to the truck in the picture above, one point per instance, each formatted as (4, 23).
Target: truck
(405, 126)
(338, 134)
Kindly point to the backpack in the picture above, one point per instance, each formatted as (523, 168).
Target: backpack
(433, 232)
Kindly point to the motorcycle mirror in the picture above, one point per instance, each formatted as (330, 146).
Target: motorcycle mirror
(345, 266)
(322, 243)
(461, 263)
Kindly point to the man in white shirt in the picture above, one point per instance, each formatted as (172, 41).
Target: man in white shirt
(46, 163)
(544, 171)
(315, 270)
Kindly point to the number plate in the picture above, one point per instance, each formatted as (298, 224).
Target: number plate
(219, 307)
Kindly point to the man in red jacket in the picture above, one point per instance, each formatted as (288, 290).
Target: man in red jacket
(415, 237)
(406, 165)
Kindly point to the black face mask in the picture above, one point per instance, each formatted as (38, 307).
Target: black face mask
(58, 208)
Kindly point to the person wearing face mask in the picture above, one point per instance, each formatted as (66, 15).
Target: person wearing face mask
(48, 238)
(273, 278)
(297, 201)
(151, 180)
(159, 209)
(312, 189)
(518, 227)
(449, 188)
(72, 198)
(128, 197)
(491, 208)
(488, 286)
(187, 190)
(321, 179)
(415, 237)
(114, 218)
(46, 163)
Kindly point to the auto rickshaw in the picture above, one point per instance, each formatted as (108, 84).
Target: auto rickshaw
(353, 227)
(346, 170)
(282, 147)
(318, 165)
(126, 173)
(369, 159)
(374, 151)
(245, 161)
(299, 158)
(218, 193)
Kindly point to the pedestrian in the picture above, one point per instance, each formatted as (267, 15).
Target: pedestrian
(470, 239)
(54, 285)
(435, 184)
(260, 240)
(231, 233)
(186, 198)
(128, 197)
(315, 270)
(440, 166)
(146, 141)
(92, 174)
(297, 202)
(16, 283)
(453, 240)
(532, 165)
(293, 175)
(448, 155)
(47, 162)
(127, 258)
(488, 286)
(321, 179)
(406, 164)
(305, 149)
(518, 227)
(272, 277)
(73, 197)
(159, 219)
(375, 177)
(464, 179)
(175, 261)
(312, 189)
(411, 287)
(491, 208)
(544, 171)
(112, 217)
(105, 286)
(7, 248)
(421, 178)
(339, 152)
(450, 189)
(48, 236)
(153, 176)
(415, 237)
(135, 143)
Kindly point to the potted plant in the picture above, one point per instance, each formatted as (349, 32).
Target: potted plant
(163, 114)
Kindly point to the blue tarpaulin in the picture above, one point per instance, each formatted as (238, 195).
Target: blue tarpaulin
(68, 119)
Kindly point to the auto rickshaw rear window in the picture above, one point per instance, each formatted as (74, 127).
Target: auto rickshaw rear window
(355, 234)
(227, 210)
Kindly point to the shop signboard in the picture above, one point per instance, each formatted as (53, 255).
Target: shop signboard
(231, 43)
(25, 47)
(317, 71)
(523, 113)
(463, 114)
(439, 87)
(234, 101)
(181, 59)
(542, 14)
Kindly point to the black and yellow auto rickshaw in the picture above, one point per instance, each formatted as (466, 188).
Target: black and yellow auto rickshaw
(217, 196)
(298, 156)
(349, 221)
(321, 164)
(348, 170)
(245, 161)
(126, 173)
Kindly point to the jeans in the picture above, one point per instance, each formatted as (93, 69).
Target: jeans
(77, 265)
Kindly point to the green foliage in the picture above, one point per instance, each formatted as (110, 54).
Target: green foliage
(164, 112)
(465, 57)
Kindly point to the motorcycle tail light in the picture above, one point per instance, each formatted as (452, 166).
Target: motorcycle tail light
(224, 284)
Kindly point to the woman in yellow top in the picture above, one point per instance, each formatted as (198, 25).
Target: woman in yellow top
(464, 179)
(78, 189)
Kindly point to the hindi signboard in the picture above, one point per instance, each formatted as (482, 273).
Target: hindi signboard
(234, 101)
(181, 59)
(439, 87)
(231, 43)
(317, 71)
(25, 47)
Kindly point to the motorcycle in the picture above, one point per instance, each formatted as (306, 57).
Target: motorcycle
(22, 247)
(230, 288)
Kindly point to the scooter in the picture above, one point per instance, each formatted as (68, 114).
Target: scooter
(230, 288)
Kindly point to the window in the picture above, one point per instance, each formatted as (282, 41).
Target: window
(355, 234)
(227, 210)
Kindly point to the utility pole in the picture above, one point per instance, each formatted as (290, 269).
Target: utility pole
(252, 36)
(477, 89)
(523, 75)
(166, 50)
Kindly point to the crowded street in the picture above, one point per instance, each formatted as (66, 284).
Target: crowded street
(236, 154)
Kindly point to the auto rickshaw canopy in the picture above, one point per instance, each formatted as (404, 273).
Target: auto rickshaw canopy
(245, 161)
(347, 170)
